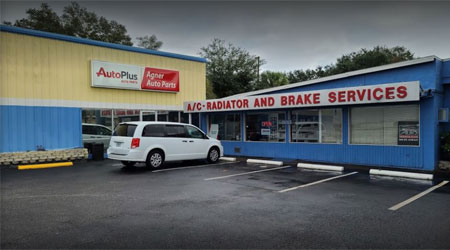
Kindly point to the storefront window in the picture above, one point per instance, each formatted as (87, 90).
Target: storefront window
(227, 126)
(148, 116)
(173, 116)
(96, 127)
(265, 127)
(385, 125)
(163, 116)
(127, 115)
(316, 126)
(97, 116)
(331, 120)
(195, 119)
(184, 117)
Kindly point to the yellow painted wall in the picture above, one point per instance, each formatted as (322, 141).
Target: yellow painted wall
(42, 68)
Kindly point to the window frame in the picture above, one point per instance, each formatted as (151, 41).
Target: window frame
(204, 136)
(164, 131)
(382, 145)
(244, 120)
(226, 113)
(320, 118)
(175, 125)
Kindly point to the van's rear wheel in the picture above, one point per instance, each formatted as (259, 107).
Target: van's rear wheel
(129, 163)
(155, 159)
(213, 155)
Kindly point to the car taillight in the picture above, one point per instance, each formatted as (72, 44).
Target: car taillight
(135, 143)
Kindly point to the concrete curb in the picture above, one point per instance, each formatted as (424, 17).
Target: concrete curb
(278, 163)
(401, 174)
(320, 167)
(228, 158)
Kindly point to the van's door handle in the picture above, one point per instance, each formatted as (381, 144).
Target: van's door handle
(184, 141)
(191, 141)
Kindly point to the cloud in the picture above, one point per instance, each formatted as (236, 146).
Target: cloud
(288, 35)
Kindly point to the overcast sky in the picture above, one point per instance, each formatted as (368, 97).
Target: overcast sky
(288, 35)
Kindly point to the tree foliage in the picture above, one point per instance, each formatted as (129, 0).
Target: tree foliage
(230, 69)
(149, 42)
(80, 22)
(271, 79)
(44, 19)
(362, 59)
(75, 21)
(209, 90)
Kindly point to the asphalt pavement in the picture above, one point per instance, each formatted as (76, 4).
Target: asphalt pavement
(226, 205)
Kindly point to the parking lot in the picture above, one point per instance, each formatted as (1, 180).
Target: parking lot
(225, 205)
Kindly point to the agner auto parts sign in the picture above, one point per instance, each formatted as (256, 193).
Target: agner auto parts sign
(123, 76)
(382, 93)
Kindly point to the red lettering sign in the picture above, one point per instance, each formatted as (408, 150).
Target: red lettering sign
(161, 80)
(402, 92)
(266, 124)
(381, 93)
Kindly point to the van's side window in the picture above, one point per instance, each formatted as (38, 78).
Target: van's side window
(153, 131)
(175, 131)
(102, 131)
(194, 133)
(125, 129)
(89, 130)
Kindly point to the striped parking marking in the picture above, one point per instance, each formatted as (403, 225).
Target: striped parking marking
(182, 168)
(316, 182)
(252, 172)
(417, 196)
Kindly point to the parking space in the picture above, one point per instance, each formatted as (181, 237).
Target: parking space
(224, 205)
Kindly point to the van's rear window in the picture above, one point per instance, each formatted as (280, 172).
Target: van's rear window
(126, 130)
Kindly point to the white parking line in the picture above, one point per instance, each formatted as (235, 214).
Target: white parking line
(316, 182)
(252, 172)
(417, 196)
(181, 168)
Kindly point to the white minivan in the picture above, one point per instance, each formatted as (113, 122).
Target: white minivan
(157, 142)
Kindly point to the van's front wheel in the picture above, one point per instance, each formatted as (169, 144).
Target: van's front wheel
(155, 159)
(213, 155)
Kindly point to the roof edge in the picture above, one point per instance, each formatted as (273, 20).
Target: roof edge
(342, 75)
(37, 33)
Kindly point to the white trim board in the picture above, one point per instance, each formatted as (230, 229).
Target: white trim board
(84, 104)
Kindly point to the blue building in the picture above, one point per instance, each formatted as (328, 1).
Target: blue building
(388, 116)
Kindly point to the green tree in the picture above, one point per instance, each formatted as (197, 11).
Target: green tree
(149, 42)
(209, 90)
(230, 69)
(362, 59)
(80, 22)
(370, 58)
(271, 79)
(75, 21)
(44, 19)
